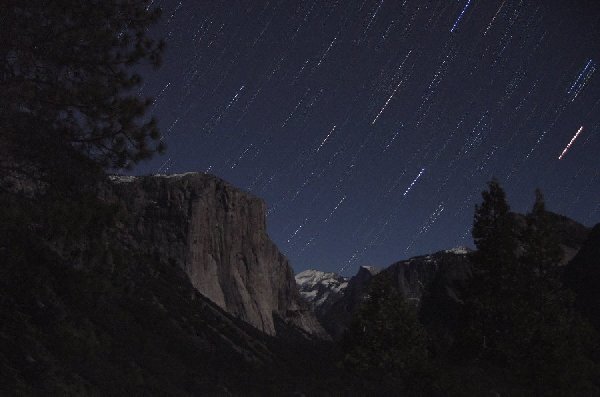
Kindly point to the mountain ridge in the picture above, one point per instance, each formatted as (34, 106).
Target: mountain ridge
(431, 281)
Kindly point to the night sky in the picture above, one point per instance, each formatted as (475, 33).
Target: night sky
(370, 127)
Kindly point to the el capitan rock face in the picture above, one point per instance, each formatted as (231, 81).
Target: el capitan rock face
(217, 234)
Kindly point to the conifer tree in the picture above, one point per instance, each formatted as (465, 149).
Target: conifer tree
(494, 231)
(556, 346)
(489, 293)
(385, 338)
(69, 109)
(518, 318)
(541, 252)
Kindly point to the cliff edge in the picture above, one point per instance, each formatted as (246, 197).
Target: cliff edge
(217, 234)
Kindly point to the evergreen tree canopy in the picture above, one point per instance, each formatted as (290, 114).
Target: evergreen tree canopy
(68, 107)
(494, 272)
(385, 337)
(494, 228)
(517, 316)
(542, 253)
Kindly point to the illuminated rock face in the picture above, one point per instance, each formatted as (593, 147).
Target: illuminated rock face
(217, 234)
(320, 289)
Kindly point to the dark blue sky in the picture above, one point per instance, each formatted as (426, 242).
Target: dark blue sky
(370, 127)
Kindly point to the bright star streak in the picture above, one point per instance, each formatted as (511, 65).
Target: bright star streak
(494, 18)
(294, 234)
(460, 16)
(394, 92)
(578, 77)
(326, 51)
(388, 101)
(414, 181)
(325, 140)
(235, 97)
(336, 207)
(582, 85)
(570, 143)
(374, 15)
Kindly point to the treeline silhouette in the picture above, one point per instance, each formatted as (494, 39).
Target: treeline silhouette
(517, 331)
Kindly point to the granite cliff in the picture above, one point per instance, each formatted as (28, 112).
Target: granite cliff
(217, 234)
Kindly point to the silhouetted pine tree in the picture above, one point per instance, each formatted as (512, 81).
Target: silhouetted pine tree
(552, 345)
(69, 110)
(385, 338)
(542, 253)
(518, 318)
(489, 296)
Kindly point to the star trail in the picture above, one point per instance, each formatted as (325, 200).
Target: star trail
(370, 127)
(566, 149)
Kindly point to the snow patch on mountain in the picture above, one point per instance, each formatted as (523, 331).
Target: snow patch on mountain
(133, 178)
(122, 178)
(460, 250)
(317, 286)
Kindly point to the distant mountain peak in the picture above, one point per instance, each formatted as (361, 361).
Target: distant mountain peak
(317, 286)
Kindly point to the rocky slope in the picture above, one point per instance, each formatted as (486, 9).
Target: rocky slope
(336, 312)
(414, 276)
(217, 234)
(433, 282)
